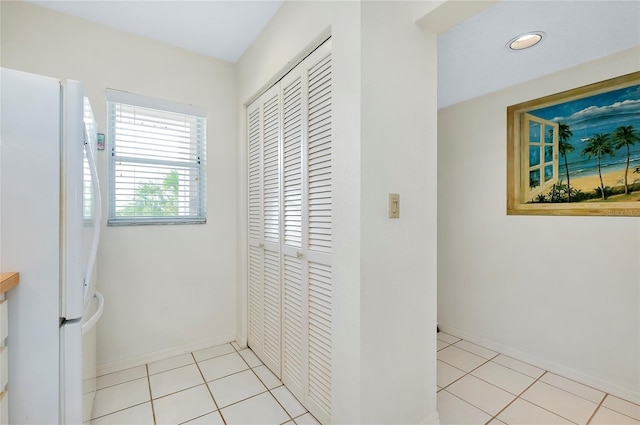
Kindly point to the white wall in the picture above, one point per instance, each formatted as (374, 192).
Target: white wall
(398, 256)
(384, 141)
(167, 288)
(559, 292)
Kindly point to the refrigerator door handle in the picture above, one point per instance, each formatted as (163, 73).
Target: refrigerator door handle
(86, 327)
(96, 225)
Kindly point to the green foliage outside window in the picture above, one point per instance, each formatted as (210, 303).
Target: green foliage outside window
(154, 199)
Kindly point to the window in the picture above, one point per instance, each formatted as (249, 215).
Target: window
(540, 167)
(157, 165)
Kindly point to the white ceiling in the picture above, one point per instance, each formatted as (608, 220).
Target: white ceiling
(223, 29)
(472, 57)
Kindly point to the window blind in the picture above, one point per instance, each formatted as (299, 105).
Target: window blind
(157, 167)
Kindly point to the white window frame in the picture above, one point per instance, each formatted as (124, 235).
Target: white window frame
(545, 184)
(198, 163)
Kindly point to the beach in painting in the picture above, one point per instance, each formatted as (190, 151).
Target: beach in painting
(611, 179)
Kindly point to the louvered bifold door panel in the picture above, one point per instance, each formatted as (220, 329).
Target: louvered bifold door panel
(318, 229)
(319, 154)
(256, 288)
(294, 268)
(293, 343)
(271, 165)
(271, 193)
(292, 161)
(255, 254)
(271, 307)
(254, 124)
(319, 372)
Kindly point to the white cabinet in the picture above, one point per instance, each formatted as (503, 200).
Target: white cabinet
(7, 281)
(290, 134)
(4, 361)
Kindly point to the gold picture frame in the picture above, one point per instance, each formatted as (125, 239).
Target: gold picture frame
(576, 152)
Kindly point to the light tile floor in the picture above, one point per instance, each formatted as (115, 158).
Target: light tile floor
(480, 386)
(228, 385)
(218, 385)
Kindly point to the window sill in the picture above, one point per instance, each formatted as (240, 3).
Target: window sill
(154, 222)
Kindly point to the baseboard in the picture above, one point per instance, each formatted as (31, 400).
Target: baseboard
(573, 374)
(143, 359)
(431, 420)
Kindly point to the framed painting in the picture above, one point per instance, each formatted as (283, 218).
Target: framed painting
(576, 152)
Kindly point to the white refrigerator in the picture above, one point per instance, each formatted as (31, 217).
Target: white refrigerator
(49, 230)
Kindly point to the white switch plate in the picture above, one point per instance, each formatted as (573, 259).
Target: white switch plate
(394, 205)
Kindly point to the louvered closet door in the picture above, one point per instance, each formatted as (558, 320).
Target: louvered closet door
(256, 240)
(264, 125)
(318, 227)
(306, 249)
(294, 267)
(290, 230)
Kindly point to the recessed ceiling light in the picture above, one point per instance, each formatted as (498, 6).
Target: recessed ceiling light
(524, 41)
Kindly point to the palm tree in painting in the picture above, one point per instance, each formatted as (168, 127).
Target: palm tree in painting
(599, 145)
(625, 136)
(564, 147)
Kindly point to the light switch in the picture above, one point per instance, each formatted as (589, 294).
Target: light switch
(394, 205)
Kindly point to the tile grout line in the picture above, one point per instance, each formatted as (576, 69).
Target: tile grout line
(268, 389)
(572, 393)
(500, 388)
(151, 399)
(278, 401)
(467, 373)
(127, 407)
(521, 373)
(547, 383)
(299, 416)
(469, 351)
(153, 410)
(612, 409)
(179, 391)
(213, 356)
(597, 408)
(447, 346)
(218, 409)
(170, 369)
(470, 404)
(542, 407)
(198, 417)
(123, 382)
(517, 397)
(244, 399)
(565, 391)
(119, 410)
(188, 364)
(575, 382)
(538, 379)
(452, 336)
(206, 384)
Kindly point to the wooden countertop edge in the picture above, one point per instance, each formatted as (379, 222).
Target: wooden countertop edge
(8, 281)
